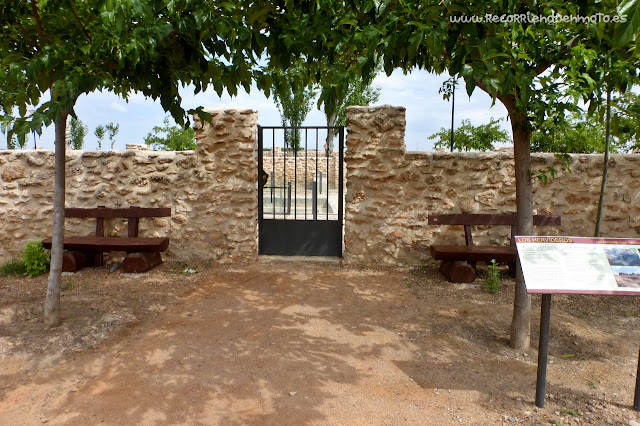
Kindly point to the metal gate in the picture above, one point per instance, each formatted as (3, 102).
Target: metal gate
(300, 196)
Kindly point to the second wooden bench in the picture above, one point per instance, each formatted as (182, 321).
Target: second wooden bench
(459, 262)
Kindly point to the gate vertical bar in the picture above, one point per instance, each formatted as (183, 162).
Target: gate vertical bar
(314, 201)
(260, 189)
(295, 184)
(315, 179)
(340, 180)
(284, 175)
(273, 167)
(306, 148)
(327, 189)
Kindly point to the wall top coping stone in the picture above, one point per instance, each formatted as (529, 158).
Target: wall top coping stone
(96, 153)
(410, 154)
(370, 109)
(506, 154)
(228, 110)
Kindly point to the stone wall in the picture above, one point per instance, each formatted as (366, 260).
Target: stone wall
(391, 192)
(212, 191)
(302, 168)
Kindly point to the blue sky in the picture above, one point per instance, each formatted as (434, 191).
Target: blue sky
(426, 113)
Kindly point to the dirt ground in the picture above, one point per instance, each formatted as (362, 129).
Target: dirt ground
(305, 343)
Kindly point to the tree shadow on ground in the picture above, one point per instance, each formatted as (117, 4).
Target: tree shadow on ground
(310, 344)
(245, 348)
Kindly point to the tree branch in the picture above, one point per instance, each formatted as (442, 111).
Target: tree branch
(542, 68)
(28, 35)
(84, 29)
(36, 15)
(509, 102)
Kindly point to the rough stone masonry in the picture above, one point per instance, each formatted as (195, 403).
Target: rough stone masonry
(391, 192)
(213, 193)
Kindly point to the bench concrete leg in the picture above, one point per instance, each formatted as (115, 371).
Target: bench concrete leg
(458, 271)
(73, 261)
(135, 263)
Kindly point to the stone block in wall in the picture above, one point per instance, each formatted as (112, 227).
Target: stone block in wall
(11, 173)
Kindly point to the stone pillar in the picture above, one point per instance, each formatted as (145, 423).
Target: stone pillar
(225, 214)
(375, 153)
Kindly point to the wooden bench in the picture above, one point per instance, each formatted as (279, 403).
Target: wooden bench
(459, 262)
(143, 253)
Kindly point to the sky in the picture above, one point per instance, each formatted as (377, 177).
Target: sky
(426, 111)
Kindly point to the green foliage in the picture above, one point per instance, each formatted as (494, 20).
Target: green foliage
(113, 130)
(467, 137)
(77, 131)
(582, 132)
(294, 101)
(100, 132)
(13, 141)
(577, 134)
(354, 91)
(627, 31)
(80, 46)
(175, 138)
(36, 259)
(493, 277)
(358, 93)
(625, 122)
(550, 172)
(13, 268)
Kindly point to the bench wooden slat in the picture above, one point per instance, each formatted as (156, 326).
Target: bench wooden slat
(138, 244)
(502, 254)
(104, 212)
(489, 219)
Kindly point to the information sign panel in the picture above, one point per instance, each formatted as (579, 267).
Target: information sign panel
(580, 265)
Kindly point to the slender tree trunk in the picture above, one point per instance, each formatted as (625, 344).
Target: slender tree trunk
(521, 322)
(605, 168)
(331, 121)
(52, 302)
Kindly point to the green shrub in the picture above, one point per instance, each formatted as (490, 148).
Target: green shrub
(493, 277)
(13, 268)
(35, 258)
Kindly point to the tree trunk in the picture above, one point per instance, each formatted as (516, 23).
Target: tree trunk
(52, 302)
(331, 121)
(605, 168)
(521, 322)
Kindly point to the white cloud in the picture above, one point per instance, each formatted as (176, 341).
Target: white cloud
(118, 106)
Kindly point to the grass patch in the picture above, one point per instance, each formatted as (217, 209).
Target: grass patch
(36, 258)
(13, 268)
(493, 277)
(68, 285)
(571, 412)
(182, 268)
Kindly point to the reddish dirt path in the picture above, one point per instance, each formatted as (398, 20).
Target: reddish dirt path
(319, 344)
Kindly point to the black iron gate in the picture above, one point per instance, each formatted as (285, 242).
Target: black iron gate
(300, 196)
